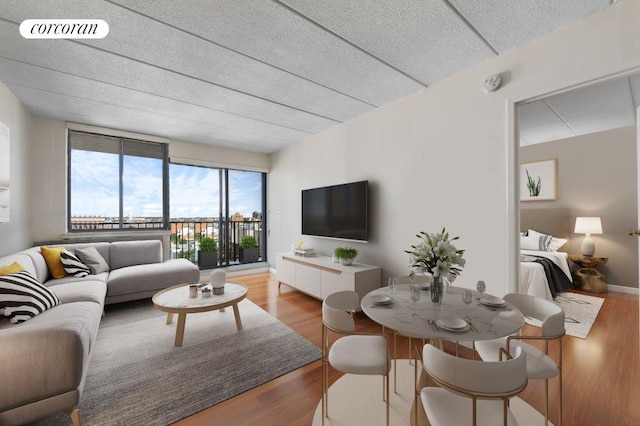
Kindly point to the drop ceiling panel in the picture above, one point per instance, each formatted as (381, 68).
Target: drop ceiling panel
(138, 121)
(273, 34)
(78, 59)
(20, 74)
(134, 36)
(537, 123)
(506, 24)
(596, 108)
(423, 38)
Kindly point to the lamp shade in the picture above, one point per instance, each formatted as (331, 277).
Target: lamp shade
(588, 225)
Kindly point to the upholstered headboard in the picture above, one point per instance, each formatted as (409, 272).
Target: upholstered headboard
(556, 222)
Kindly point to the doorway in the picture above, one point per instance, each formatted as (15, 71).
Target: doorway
(592, 135)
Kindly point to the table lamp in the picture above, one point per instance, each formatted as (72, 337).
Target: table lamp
(588, 226)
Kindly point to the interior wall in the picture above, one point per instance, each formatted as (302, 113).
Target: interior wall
(16, 234)
(444, 156)
(597, 176)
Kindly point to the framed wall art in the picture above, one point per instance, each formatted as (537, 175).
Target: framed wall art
(538, 180)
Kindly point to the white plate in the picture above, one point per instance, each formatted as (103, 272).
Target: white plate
(444, 327)
(380, 299)
(492, 301)
(454, 323)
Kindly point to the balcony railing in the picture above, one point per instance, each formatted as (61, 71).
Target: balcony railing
(186, 234)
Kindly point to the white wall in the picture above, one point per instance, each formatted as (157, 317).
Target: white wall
(16, 234)
(444, 156)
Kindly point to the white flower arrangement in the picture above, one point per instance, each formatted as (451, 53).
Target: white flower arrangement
(436, 255)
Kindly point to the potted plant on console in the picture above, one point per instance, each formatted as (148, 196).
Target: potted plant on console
(345, 254)
(249, 251)
(207, 253)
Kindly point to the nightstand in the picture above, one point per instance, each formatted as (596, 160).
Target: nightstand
(587, 278)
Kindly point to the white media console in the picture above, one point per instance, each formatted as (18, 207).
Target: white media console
(318, 276)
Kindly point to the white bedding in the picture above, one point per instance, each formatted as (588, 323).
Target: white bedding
(533, 280)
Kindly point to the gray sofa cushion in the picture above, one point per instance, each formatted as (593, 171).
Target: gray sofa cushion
(102, 277)
(65, 336)
(81, 291)
(130, 253)
(140, 278)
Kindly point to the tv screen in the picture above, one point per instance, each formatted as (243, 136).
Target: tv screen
(338, 211)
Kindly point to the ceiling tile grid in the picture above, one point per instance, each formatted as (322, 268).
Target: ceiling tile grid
(506, 24)
(271, 33)
(424, 39)
(262, 75)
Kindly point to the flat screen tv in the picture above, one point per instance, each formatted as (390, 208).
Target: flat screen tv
(338, 211)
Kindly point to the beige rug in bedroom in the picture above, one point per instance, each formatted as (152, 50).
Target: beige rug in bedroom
(580, 312)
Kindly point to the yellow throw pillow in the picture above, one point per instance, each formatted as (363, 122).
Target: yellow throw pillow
(11, 269)
(52, 257)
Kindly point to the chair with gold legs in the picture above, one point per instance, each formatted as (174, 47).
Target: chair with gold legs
(470, 392)
(539, 364)
(355, 353)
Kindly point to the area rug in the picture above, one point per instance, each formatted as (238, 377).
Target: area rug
(580, 313)
(357, 400)
(138, 377)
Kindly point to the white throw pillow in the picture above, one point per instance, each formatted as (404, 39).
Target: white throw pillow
(552, 243)
(529, 242)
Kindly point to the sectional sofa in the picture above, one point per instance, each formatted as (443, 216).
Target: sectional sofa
(45, 359)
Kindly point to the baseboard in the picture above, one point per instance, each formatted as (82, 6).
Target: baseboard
(273, 270)
(623, 289)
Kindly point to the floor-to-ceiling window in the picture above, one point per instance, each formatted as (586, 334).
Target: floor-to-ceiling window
(223, 204)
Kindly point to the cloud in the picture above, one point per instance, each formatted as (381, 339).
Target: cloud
(194, 191)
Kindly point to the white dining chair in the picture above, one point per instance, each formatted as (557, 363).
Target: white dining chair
(470, 392)
(539, 364)
(354, 353)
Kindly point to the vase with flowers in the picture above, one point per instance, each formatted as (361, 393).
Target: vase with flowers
(436, 255)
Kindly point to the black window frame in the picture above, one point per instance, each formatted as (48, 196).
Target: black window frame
(165, 184)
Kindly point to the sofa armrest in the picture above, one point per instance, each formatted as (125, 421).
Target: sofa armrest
(39, 361)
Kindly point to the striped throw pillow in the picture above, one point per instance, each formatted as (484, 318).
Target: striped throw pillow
(73, 265)
(22, 297)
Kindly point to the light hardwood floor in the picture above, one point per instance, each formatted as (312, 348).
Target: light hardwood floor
(601, 379)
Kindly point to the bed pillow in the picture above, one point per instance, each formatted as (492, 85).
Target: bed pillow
(73, 265)
(529, 242)
(52, 258)
(22, 297)
(552, 243)
(93, 259)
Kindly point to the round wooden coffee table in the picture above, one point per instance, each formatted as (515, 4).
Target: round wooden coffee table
(176, 300)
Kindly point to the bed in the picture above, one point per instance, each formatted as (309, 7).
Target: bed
(544, 233)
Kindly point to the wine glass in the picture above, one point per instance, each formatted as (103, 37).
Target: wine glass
(415, 296)
(412, 276)
(392, 285)
(467, 298)
(481, 287)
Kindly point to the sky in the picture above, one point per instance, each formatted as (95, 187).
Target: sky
(194, 191)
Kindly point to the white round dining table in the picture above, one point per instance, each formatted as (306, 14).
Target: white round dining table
(420, 319)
